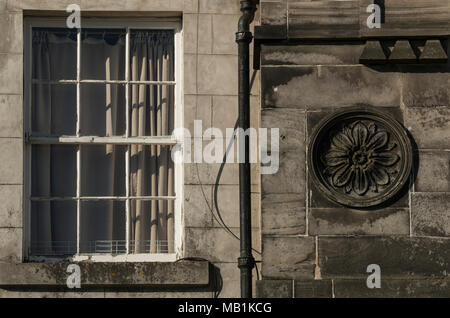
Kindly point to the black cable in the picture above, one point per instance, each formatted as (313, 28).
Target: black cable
(216, 187)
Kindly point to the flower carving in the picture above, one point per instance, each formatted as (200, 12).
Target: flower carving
(359, 158)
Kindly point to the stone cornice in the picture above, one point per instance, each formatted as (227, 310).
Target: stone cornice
(295, 20)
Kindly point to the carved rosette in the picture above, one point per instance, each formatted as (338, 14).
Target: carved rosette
(360, 157)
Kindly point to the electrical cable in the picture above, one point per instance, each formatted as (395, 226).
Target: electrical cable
(220, 220)
(216, 186)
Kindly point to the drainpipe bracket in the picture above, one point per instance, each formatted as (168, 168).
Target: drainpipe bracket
(246, 262)
(244, 36)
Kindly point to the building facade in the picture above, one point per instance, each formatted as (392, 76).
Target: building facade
(86, 118)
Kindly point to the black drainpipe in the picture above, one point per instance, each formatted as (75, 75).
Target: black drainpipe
(244, 37)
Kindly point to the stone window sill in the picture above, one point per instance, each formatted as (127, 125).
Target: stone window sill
(186, 274)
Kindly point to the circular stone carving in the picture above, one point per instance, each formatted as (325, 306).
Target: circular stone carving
(359, 157)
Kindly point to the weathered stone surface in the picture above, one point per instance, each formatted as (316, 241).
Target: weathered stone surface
(433, 52)
(205, 40)
(425, 85)
(288, 257)
(402, 53)
(323, 19)
(318, 200)
(11, 207)
(11, 74)
(313, 289)
(183, 273)
(356, 222)
(11, 25)
(132, 8)
(190, 26)
(230, 276)
(11, 158)
(190, 69)
(11, 116)
(197, 108)
(215, 244)
(349, 19)
(219, 6)
(373, 53)
(291, 126)
(224, 40)
(430, 214)
(225, 112)
(16, 5)
(407, 18)
(398, 257)
(208, 174)
(274, 288)
(10, 245)
(27, 293)
(314, 118)
(159, 294)
(190, 6)
(283, 214)
(304, 87)
(33, 293)
(311, 54)
(393, 288)
(430, 127)
(228, 206)
(217, 74)
(273, 20)
(290, 177)
(276, 80)
(434, 172)
(137, 5)
(196, 209)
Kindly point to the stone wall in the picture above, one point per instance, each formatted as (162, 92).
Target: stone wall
(313, 247)
(210, 94)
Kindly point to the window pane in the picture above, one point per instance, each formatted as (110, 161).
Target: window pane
(53, 228)
(53, 171)
(102, 110)
(152, 171)
(54, 109)
(152, 111)
(152, 59)
(103, 54)
(152, 226)
(103, 170)
(102, 227)
(152, 55)
(54, 54)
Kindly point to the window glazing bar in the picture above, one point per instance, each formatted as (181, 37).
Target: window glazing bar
(86, 81)
(85, 140)
(110, 198)
(79, 146)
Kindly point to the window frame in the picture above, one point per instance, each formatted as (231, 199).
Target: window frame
(174, 140)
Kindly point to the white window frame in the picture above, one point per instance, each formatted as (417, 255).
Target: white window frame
(139, 23)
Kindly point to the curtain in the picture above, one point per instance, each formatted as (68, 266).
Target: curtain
(152, 114)
(52, 221)
(103, 223)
